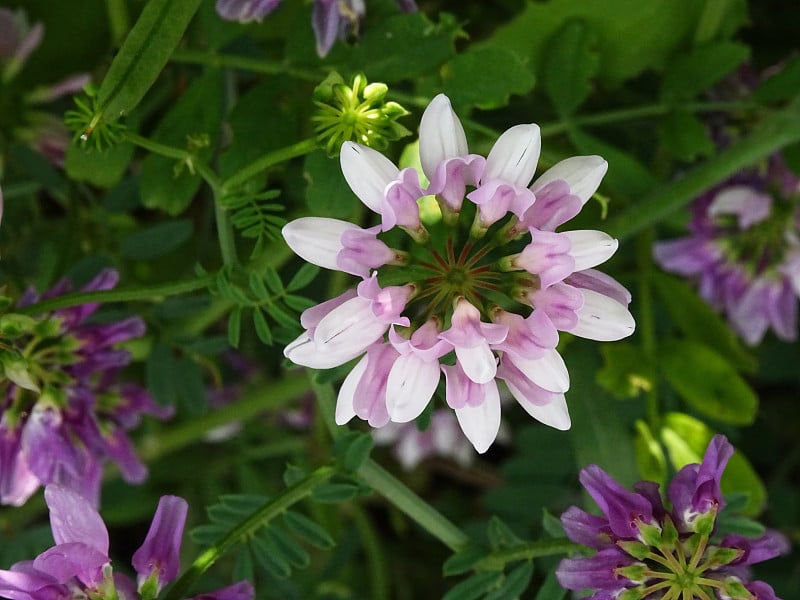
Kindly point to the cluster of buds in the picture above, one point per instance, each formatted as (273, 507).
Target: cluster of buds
(63, 411)
(357, 113)
(645, 551)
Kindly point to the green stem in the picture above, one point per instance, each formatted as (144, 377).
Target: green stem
(376, 557)
(497, 561)
(119, 21)
(261, 517)
(636, 112)
(243, 63)
(391, 488)
(776, 131)
(272, 396)
(153, 293)
(427, 517)
(265, 162)
(646, 324)
(225, 233)
(196, 163)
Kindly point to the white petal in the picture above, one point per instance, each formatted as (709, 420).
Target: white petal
(303, 351)
(349, 328)
(514, 155)
(410, 387)
(316, 239)
(602, 319)
(478, 362)
(367, 172)
(590, 248)
(548, 372)
(582, 173)
(441, 135)
(481, 423)
(553, 414)
(344, 403)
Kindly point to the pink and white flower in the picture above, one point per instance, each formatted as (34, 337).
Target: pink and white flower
(483, 291)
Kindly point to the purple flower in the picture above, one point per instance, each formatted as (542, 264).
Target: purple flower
(79, 565)
(70, 413)
(655, 553)
(743, 251)
(330, 19)
(462, 265)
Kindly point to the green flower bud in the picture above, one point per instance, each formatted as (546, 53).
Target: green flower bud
(15, 368)
(635, 549)
(14, 325)
(356, 113)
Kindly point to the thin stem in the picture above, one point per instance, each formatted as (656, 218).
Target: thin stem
(265, 162)
(647, 322)
(774, 132)
(427, 517)
(193, 161)
(391, 488)
(270, 510)
(225, 233)
(267, 397)
(153, 293)
(243, 63)
(496, 561)
(376, 557)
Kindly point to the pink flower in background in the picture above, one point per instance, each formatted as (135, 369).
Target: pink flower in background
(64, 410)
(79, 566)
(743, 251)
(477, 292)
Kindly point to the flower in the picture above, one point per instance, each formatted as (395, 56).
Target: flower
(411, 446)
(645, 551)
(477, 293)
(330, 19)
(79, 564)
(743, 251)
(42, 131)
(63, 411)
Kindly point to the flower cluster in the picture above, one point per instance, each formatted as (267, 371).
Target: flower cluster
(42, 131)
(78, 566)
(62, 409)
(330, 19)
(744, 251)
(483, 278)
(646, 551)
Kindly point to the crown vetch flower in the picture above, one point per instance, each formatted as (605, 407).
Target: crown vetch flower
(478, 292)
(63, 410)
(646, 552)
(78, 566)
(743, 251)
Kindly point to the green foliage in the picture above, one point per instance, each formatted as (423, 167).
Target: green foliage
(146, 50)
(169, 185)
(690, 73)
(632, 36)
(275, 548)
(570, 65)
(707, 382)
(485, 77)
